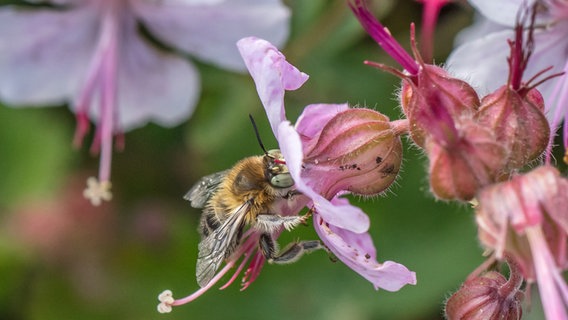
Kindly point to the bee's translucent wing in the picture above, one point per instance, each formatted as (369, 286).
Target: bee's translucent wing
(213, 248)
(204, 189)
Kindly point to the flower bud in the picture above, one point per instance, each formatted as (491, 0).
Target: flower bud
(487, 297)
(431, 92)
(357, 150)
(518, 122)
(459, 170)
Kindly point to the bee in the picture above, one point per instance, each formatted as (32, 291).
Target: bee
(242, 196)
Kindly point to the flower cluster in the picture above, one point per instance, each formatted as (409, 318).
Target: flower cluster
(476, 147)
(483, 50)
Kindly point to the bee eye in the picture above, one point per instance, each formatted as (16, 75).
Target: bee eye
(283, 180)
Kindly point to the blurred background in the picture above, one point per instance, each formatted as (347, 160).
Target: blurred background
(61, 258)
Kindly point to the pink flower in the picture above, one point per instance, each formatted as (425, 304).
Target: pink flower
(526, 219)
(483, 50)
(332, 150)
(341, 226)
(90, 55)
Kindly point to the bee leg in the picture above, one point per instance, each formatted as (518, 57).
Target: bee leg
(291, 253)
(271, 223)
(291, 194)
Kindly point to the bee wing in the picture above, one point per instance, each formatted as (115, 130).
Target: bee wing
(200, 193)
(212, 249)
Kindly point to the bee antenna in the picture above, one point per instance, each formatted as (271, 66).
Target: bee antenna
(257, 134)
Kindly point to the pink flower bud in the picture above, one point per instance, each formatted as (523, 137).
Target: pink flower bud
(489, 296)
(357, 150)
(518, 122)
(459, 170)
(432, 98)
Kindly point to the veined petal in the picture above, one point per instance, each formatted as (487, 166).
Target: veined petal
(341, 214)
(153, 86)
(44, 53)
(482, 62)
(272, 74)
(209, 31)
(316, 116)
(479, 29)
(358, 252)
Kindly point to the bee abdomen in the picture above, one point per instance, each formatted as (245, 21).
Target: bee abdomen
(209, 222)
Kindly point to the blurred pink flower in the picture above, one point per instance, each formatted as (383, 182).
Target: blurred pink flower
(525, 220)
(91, 55)
(483, 49)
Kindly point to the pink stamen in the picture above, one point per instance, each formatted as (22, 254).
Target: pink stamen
(247, 250)
(383, 38)
(81, 129)
(521, 48)
(109, 39)
(253, 271)
(429, 20)
(202, 290)
(549, 282)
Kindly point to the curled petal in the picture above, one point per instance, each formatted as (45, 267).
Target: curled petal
(358, 252)
(272, 74)
(316, 116)
(342, 215)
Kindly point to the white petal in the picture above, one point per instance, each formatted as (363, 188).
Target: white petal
(210, 32)
(154, 86)
(483, 62)
(501, 11)
(44, 53)
(481, 28)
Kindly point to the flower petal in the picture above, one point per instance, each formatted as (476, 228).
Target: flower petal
(503, 11)
(272, 74)
(479, 29)
(153, 86)
(358, 252)
(44, 53)
(483, 62)
(343, 214)
(316, 116)
(209, 31)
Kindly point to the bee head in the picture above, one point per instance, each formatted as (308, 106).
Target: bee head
(277, 172)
